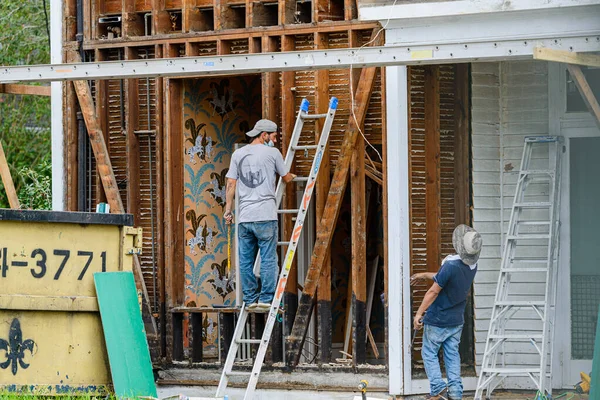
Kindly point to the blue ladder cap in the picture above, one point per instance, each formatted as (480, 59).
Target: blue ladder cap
(304, 105)
(333, 103)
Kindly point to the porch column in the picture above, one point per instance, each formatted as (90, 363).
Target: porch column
(398, 225)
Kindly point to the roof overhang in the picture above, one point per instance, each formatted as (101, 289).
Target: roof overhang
(437, 27)
(407, 10)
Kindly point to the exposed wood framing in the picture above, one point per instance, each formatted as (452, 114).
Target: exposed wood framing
(7, 181)
(359, 254)
(102, 113)
(287, 126)
(567, 57)
(160, 18)
(10, 88)
(462, 118)
(332, 208)
(323, 182)
(173, 205)
(133, 145)
(70, 107)
(160, 205)
(84, 95)
(286, 12)
(70, 20)
(271, 86)
(350, 10)
(432, 168)
(233, 34)
(586, 92)
(98, 144)
(132, 23)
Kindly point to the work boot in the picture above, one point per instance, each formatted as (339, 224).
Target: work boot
(440, 396)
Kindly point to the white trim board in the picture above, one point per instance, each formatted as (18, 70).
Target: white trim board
(398, 234)
(457, 8)
(551, 23)
(56, 101)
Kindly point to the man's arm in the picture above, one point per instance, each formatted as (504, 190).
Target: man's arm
(281, 170)
(229, 195)
(421, 276)
(428, 300)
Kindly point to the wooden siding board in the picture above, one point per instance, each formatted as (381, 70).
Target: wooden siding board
(509, 102)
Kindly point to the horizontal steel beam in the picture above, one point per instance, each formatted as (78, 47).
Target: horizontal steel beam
(295, 61)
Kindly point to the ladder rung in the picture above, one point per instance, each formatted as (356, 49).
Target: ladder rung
(530, 236)
(511, 371)
(512, 270)
(249, 341)
(310, 147)
(520, 303)
(289, 211)
(238, 373)
(533, 223)
(314, 116)
(516, 337)
(541, 139)
(301, 179)
(537, 172)
(283, 243)
(533, 205)
(529, 260)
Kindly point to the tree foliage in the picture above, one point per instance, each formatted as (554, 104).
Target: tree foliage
(25, 120)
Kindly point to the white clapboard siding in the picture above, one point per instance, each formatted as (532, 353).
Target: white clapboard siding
(509, 102)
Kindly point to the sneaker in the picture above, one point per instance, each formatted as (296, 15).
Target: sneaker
(252, 307)
(263, 307)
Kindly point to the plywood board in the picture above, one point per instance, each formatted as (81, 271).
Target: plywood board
(124, 333)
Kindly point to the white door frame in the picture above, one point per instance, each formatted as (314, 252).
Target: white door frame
(571, 125)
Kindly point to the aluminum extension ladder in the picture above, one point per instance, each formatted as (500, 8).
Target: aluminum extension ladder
(291, 249)
(530, 257)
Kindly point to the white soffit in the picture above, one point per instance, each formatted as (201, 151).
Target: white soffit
(372, 10)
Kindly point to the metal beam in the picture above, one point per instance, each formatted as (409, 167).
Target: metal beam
(295, 61)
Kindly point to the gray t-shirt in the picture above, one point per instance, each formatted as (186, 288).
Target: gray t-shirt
(254, 167)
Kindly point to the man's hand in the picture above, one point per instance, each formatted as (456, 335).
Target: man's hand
(418, 277)
(288, 177)
(228, 217)
(418, 321)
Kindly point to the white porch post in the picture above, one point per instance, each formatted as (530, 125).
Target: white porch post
(398, 230)
(56, 103)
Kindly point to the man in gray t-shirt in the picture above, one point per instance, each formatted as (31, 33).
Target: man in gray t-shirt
(255, 168)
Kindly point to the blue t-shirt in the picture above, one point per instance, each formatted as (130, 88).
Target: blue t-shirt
(455, 278)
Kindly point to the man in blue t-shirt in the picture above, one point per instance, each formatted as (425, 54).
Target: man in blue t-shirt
(445, 305)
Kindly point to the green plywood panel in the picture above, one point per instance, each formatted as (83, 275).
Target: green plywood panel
(128, 352)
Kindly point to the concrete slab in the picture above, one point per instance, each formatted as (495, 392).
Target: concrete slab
(263, 394)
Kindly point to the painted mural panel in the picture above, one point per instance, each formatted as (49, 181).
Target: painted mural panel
(217, 113)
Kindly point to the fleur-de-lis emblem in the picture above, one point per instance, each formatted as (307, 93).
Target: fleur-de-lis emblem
(15, 348)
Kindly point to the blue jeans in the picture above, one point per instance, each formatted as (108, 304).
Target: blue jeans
(254, 237)
(448, 339)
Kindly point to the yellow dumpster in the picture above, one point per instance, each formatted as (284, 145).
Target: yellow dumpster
(51, 337)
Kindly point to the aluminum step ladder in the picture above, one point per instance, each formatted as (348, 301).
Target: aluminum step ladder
(529, 260)
(292, 244)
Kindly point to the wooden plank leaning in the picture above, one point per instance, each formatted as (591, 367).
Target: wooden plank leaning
(105, 171)
(330, 214)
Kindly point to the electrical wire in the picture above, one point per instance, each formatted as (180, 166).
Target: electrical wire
(352, 84)
(47, 22)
